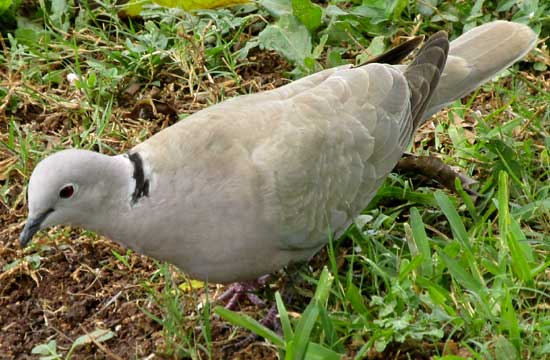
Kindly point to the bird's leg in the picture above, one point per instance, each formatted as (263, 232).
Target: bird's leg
(239, 291)
(271, 319)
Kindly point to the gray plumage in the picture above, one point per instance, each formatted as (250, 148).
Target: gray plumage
(249, 185)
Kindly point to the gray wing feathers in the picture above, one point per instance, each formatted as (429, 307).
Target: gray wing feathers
(334, 145)
(343, 138)
(477, 56)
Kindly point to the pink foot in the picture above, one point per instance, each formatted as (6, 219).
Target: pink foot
(237, 292)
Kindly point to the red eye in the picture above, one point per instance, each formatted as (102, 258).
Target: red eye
(66, 191)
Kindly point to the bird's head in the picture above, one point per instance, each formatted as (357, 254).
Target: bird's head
(67, 188)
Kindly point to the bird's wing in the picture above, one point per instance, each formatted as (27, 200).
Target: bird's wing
(334, 145)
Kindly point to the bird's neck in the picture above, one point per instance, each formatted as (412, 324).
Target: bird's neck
(116, 192)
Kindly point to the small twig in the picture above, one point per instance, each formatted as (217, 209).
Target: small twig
(105, 350)
(111, 300)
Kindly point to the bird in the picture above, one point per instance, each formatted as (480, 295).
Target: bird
(257, 182)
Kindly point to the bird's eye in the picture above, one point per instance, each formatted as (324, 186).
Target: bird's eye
(66, 191)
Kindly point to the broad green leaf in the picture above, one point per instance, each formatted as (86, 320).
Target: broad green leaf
(427, 7)
(5, 5)
(277, 8)
(134, 7)
(288, 37)
(199, 4)
(308, 13)
(445, 16)
(46, 349)
(396, 8)
(190, 285)
(98, 335)
(505, 349)
(505, 5)
(59, 13)
(342, 31)
(377, 11)
(475, 13)
(377, 46)
(540, 66)
(335, 59)
(333, 11)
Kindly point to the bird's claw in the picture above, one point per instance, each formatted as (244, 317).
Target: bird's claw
(237, 292)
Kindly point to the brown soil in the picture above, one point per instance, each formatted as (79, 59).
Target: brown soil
(79, 286)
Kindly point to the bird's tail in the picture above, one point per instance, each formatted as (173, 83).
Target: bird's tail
(477, 56)
(423, 74)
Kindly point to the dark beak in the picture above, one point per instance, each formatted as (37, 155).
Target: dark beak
(31, 227)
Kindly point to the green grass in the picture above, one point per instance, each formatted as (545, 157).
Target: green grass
(431, 272)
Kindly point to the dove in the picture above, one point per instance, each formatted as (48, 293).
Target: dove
(258, 182)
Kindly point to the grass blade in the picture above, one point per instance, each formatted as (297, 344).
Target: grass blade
(406, 266)
(303, 330)
(465, 279)
(249, 323)
(356, 300)
(421, 241)
(318, 352)
(459, 233)
(457, 227)
(511, 232)
(467, 200)
(283, 316)
(323, 287)
(509, 321)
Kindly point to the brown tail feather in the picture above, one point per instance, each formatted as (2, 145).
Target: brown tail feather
(398, 53)
(424, 72)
